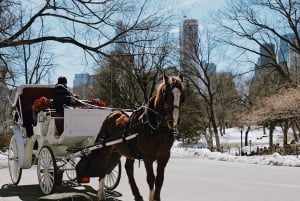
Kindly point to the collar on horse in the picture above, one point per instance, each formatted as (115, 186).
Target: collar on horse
(150, 119)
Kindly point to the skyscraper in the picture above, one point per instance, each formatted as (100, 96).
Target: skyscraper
(188, 43)
(267, 51)
(283, 52)
(120, 45)
(83, 79)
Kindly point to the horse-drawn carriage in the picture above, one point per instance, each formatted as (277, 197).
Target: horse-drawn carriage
(146, 133)
(52, 142)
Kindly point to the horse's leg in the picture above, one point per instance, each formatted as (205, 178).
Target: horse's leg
(160, 172)
(101, 192)
(129, 170)
(150, 178)
(104, 156)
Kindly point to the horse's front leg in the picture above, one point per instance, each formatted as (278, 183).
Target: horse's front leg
(129, 170)
(101, 192)
(104, 155)
(150, 178)
(161, 165)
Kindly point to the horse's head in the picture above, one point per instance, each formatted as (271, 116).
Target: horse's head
(169, 99)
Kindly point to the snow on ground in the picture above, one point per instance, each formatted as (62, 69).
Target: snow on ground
(230, 139)
(274, 159)
(233, 138)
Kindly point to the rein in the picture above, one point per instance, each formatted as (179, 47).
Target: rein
(146, 118)
(150, 120)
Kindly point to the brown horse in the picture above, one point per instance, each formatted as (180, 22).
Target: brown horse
(155, 125)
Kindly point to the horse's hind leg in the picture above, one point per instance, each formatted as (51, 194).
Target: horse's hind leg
(129, 170)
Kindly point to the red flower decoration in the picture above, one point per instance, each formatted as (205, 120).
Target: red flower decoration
(41, 104)
(99, 102)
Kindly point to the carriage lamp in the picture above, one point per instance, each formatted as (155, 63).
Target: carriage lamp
(241, 129)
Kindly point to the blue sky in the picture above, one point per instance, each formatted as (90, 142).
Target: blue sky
(71, 59)
(199, 9)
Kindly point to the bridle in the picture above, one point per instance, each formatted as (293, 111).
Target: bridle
(167, 91)
(154, 117)
(162, 116)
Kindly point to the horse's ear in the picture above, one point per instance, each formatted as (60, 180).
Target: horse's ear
(181, 77)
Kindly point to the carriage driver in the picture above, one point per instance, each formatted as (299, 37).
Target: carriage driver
(62, 95)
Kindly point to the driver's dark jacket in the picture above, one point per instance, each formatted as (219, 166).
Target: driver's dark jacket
(61, 97)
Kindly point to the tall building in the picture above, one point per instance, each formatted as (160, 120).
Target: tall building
(188, 43)
(293, 59)
(267, 51)
(83, 79)
(120, 45)
(283, 52)
(293, 64)
(265, 80)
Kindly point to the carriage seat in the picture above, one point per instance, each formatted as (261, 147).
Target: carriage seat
(23, 101)
(59, 123)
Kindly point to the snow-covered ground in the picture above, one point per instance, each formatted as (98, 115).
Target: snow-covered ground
(230, 139)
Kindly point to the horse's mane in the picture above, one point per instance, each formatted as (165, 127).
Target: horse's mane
(159, 92)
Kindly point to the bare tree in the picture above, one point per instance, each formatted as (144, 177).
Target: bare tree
(200, 70)
(269, 30)
(134, 70)
(226, 104)
(249, 25)
(89, 25)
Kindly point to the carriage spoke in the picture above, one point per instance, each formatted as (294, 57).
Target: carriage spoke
(46, 170)
(113, 177)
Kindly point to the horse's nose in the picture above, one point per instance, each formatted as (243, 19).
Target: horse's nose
(170, 125)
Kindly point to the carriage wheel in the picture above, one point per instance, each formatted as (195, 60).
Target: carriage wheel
(15, 170)
(113, 177)
(46, 170)
(70, 168)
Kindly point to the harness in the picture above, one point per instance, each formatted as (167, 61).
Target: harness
(146, 118)
(149, 119)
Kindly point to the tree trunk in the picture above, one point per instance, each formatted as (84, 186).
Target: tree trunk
(246, 135)
(214, 127)
(285, 131)
(295, 132)
(209, 139)
(264, 128)
(298, 128)
(272, 128)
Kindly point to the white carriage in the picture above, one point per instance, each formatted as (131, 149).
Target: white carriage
(54, 139)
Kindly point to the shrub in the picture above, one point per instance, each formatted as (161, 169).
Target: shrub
(4, 141)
